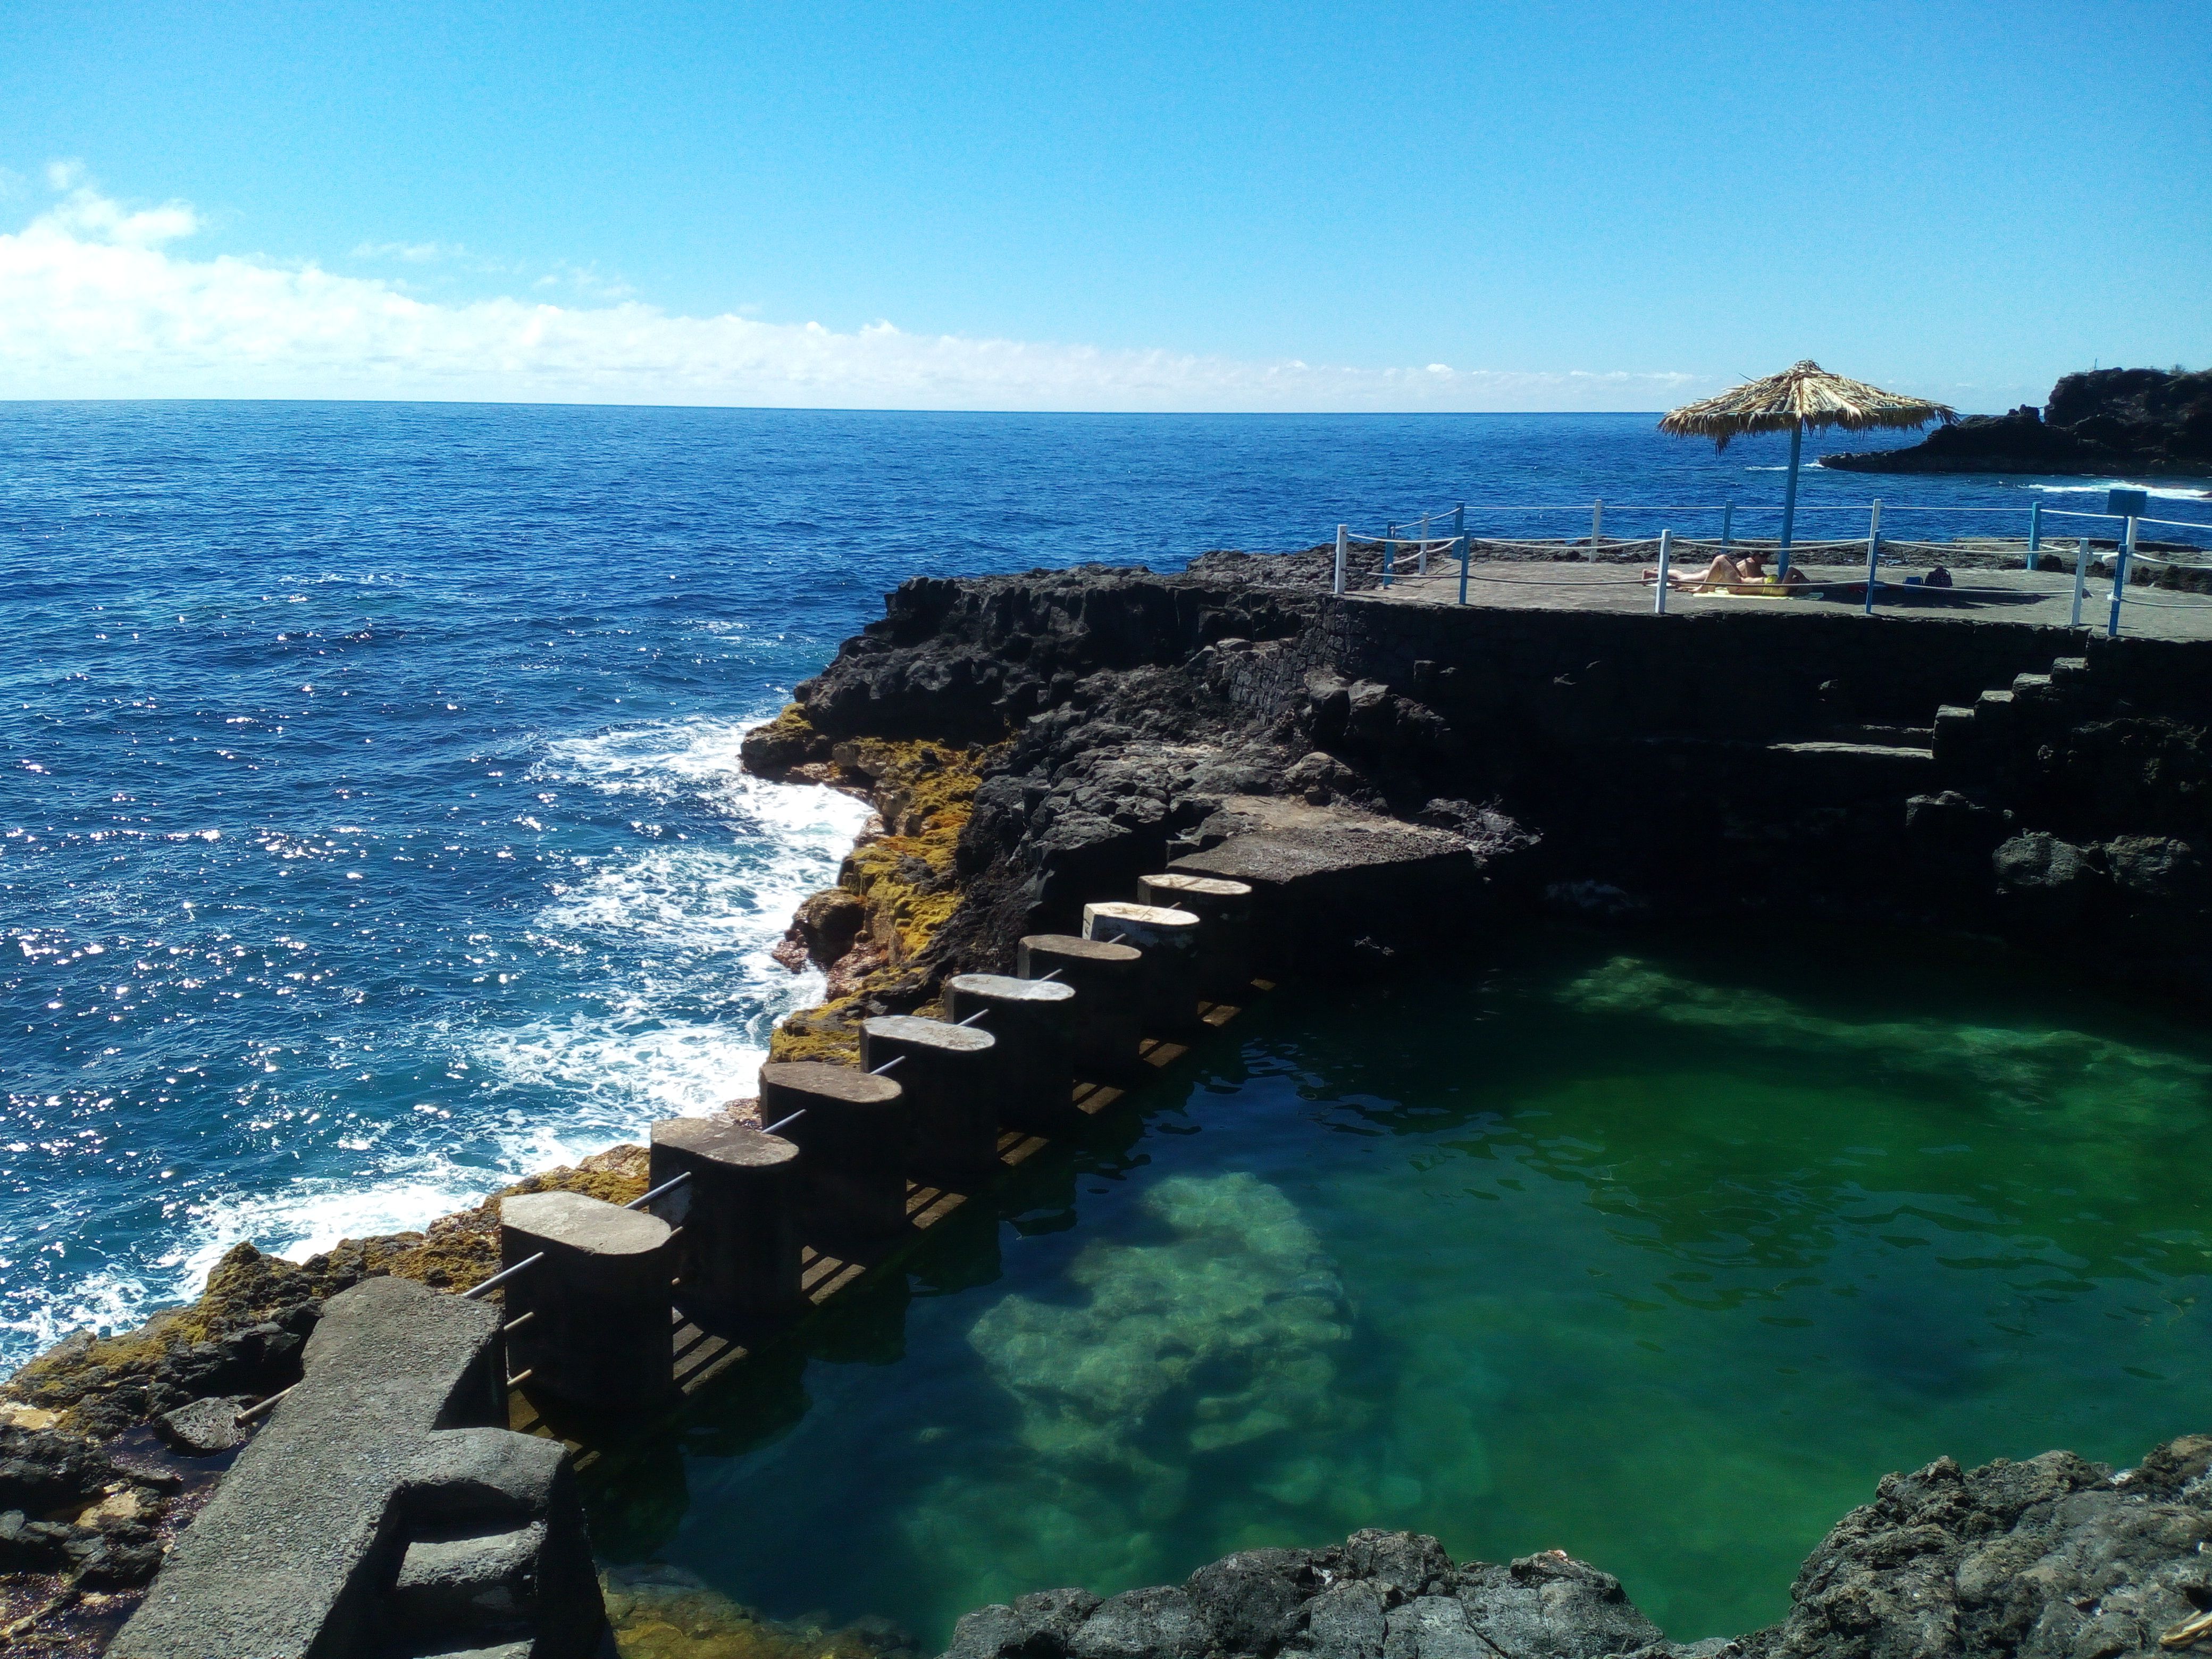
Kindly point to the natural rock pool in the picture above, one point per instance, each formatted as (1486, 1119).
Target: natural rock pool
(1659, 1254)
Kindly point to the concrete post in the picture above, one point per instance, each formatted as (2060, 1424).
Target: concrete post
(946, 1070)
(1109, 1019)
(851, 1131)
(1224, 909)
(598, 1305)
(739, 1254)
(1169, 975)
(1033, 1063)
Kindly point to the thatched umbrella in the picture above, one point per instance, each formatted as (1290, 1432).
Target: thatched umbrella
(1802, 396)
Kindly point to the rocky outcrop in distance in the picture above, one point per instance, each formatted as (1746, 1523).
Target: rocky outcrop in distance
(2055, 1557)
(2107, 421)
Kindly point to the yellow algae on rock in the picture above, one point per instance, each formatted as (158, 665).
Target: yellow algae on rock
(664, 1613)
(903, 870)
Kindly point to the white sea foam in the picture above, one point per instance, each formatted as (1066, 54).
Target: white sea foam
(706, 915)
(680, 1027)
(2098, 487)
(305, 1217)
(620, 1074)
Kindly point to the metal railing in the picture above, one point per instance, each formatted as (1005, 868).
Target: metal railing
(2124, 508)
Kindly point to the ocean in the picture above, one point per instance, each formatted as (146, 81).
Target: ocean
(371, 829)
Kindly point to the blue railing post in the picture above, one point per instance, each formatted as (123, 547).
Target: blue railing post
(1873, 553)
(2080, 580)
(1597, 526)
(2034, 532)
(1666, 556)
(1422, 559)
(1389, 551)
(1336, 584)
(1459, 530)
(2120, 579)
(1728, 524)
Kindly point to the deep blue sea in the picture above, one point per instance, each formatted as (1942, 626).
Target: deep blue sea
(371, 831)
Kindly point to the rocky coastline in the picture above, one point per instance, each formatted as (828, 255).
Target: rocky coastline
(2150, 422)
(1030, 742)
(2050, 1556)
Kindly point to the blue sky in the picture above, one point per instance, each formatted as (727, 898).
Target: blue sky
(1086, 206)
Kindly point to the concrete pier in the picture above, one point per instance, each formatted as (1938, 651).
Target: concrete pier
(947, 1071)
(380, 1510)
(1167, 977)
(852, 1136)
(1033, 1065)
(1109, 1017)
(1224, 909)
(738, 1257)
(590, 1321)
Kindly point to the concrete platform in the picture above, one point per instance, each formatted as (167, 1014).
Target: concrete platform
(2033, 597)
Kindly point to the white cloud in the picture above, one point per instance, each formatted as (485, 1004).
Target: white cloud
(92, 305)
(413, 253)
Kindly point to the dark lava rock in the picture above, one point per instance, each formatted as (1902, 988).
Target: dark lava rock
(1037, 1627)
(1378, 1595)
(1158, 1623)
(2107, 421)
(2055, 1557)
(2048, 883)
(41, 1470)
(205, 1428)
(2052, 1557)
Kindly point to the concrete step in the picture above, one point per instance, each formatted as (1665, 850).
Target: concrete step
(466, 1584)
(1878, 753)
(1836, 774)
(1899, 737)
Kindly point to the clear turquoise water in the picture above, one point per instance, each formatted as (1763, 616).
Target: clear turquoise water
(1662, 1254)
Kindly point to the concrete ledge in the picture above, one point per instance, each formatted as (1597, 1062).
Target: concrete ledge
(1328, 880)
(299, 1553)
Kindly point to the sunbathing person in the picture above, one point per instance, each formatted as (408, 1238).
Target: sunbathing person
(1724, 575)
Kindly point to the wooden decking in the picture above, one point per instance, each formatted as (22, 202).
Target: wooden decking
(703, 1356)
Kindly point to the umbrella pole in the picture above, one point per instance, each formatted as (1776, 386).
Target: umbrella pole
(1789, 494)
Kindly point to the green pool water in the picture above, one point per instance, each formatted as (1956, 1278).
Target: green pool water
(1662, 1255)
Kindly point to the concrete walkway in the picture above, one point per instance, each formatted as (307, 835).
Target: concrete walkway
(2039, 599)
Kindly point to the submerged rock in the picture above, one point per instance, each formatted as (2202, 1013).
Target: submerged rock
(1217, 1341)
